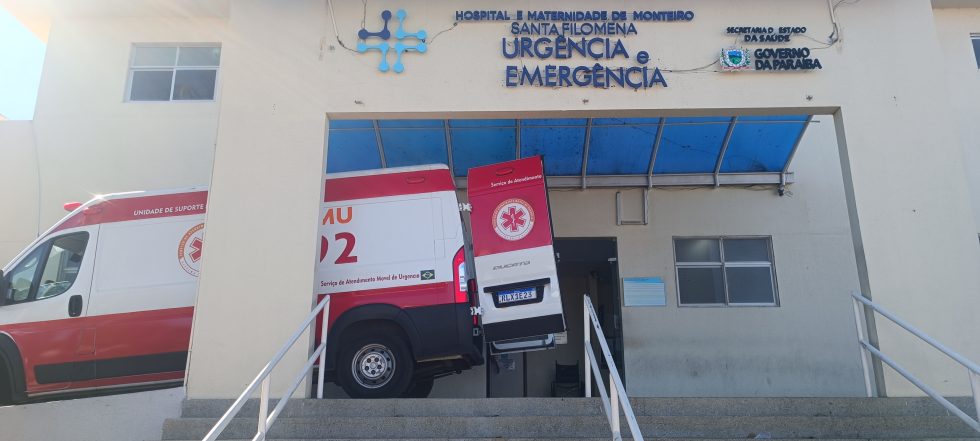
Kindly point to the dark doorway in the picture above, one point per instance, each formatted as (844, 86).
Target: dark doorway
(585, 265)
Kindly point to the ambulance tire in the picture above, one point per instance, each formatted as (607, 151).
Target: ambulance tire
(419, 389)
(6, 392)
(375, 366)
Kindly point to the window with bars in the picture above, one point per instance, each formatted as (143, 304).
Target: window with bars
(725, 271)
(173, 72)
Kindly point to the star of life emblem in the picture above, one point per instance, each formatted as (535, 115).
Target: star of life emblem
(513, 219)
(190, 250)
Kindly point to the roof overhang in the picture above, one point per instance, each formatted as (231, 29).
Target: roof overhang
(583, 152)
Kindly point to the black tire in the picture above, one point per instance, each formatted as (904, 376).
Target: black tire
(419, 389)
(375, 365)
(6, 385)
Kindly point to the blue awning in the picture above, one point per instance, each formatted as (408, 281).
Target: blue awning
(644, 150)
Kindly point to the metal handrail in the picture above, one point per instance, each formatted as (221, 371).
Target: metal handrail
(972, 369)
(264, 378)
(617, 392)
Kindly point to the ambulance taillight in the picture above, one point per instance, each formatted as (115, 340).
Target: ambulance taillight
(459, 273)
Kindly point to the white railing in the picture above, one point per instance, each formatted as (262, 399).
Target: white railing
(861, 302)
(264, 378)
(617, 392)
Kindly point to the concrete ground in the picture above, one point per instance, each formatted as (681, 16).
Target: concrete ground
(124, 417)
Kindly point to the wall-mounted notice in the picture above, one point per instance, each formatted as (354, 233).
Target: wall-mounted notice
(644, 291)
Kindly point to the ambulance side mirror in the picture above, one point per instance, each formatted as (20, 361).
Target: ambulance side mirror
(3, 289)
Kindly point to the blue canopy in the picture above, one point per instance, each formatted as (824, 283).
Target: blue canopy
(650, 148)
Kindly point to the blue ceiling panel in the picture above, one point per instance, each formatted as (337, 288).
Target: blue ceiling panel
(351, 124)
(404, 147)
(690, 145)
(622, 150)
(617, 146)
(411, 123)
(562, 147)
(476, 147)
(350, 150)
(761, 146)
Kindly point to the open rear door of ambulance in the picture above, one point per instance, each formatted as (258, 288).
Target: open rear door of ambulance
(514, 255)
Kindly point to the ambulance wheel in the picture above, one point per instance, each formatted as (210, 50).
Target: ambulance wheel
(419, 389)
(375, 366)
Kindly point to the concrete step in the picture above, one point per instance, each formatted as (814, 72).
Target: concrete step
(580, 426)
(852, 407)
(591, 439)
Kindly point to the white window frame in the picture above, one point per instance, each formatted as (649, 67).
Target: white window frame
(128, 93)
(771, 264)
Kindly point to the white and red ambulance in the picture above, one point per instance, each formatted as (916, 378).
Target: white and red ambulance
(392, 256)
(104, 299)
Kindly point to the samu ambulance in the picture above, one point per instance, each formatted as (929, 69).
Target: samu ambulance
(104, 299)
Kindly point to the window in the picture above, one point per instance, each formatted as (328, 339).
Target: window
(173, 73)
(61, 257)
(976, 48)
(725, 271)
(22, 277)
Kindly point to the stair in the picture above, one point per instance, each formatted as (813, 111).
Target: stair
(582, 418)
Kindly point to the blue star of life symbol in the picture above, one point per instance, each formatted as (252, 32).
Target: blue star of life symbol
(399, 46)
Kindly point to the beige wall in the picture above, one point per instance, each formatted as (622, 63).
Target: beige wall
(91, 141)
(18, 222)
(954, 27)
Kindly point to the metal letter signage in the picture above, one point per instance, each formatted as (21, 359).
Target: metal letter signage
(513, 250)
(578, 48)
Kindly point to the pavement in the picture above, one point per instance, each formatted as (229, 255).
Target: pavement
(124, 417)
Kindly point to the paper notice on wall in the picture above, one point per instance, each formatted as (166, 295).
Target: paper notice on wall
(561, 338)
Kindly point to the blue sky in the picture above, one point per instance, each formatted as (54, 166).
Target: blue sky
(21, 57)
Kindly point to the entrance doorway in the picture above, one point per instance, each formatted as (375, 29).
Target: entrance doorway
(585, 265)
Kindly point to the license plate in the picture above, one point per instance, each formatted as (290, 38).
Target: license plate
(517, 295)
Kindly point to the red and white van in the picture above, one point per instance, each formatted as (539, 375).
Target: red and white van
(104, 299)
(392, 255)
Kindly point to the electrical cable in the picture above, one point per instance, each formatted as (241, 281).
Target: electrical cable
(333, 20)
(834, 38)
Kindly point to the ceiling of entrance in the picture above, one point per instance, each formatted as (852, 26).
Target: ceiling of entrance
(587, 152)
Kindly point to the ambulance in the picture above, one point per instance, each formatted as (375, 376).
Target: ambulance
(103, 300)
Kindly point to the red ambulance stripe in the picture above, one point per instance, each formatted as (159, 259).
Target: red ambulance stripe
(116, 335)
(388, 184)
(403, 297)
(136, 208)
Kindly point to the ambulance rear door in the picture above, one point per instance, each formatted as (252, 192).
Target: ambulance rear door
(514, 256)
